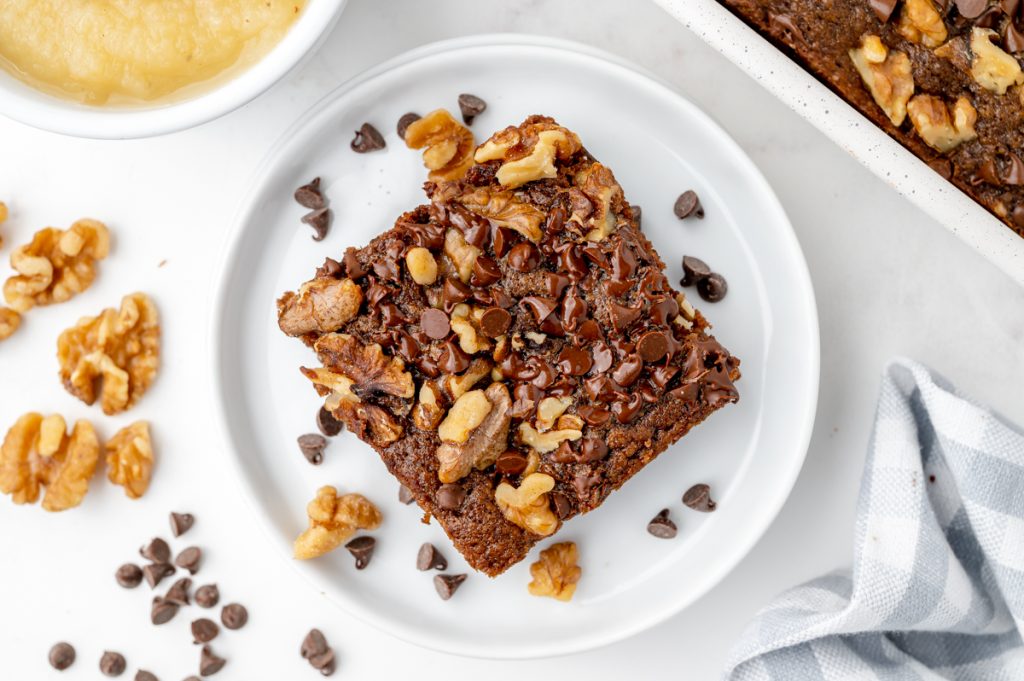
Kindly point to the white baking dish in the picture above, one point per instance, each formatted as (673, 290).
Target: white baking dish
(848, 128)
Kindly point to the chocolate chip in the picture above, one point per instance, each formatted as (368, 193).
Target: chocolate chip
(574, 361)
(471, 106)
(361, 549)
(563, 507)
(204, 630)
(312, 447)
(593, 449)
(309, 196)
(62, 656)
(178, 593)
(688, 204)
(129, 575)
(970, 9)
(661, 527)
(181, 523)
(495, 322)
(189, 559)
(367, 138)
(694, 270)
(320, 221)
(405, 495)
(429, 558)
(156, 551)
(112, 664)
(713, 287)
(485, 271)
(524, 257)
(155, 573)
(327, 424)
(540, 306)
(435, 323)
(207, 596)
(883, 8)
(652, 346)
(628, 370)
(622, 315)
(313, 644)
(447, 585)
(162, 610)
(450, 497)
(323, 663)
(511, 462)
(209, 663)
(234, 616)
(143, 675)
(405, 121)
(353, 268)
(637, 215)
(698, 498)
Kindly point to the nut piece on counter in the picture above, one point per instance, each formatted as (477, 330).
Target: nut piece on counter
(528, 152)
(322, 304)
(56, 265)
(921, 23)
(10, 320)
(485, 442)
(887, 75)
(527, 506)
(332, 520)
(118, 350)
(447, 145)
(991, 67)
(943, 127)
(555, 573)
(38, 452)
(130, 459)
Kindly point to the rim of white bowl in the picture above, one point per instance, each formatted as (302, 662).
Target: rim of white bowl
(25, 104)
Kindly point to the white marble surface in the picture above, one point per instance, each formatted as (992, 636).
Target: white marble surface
(888, 280)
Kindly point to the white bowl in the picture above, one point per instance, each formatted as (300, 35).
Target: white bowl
(30, 106)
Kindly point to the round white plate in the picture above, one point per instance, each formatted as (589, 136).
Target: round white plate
(658, 145)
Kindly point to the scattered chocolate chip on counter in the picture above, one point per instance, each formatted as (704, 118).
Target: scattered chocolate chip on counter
(155, 573)
(234, 616)
(405, 495)
(698, 498)
(162, 611)
(62, 656)
(189, 559)
(367, 138)
(688, 204)
(178, 593)
(156, 551)
(209, 663)
(204, 630)
(326, 422)
(207, 596)
(661, 526)
(450, 496)
(429, 558)
(694, 269)
(405, 121)
(143, 675)
(181, 523)
(129, 575)
(361, 549)
(112, 664)
(471, 106)
(447, 585)
(315, 649)
(713, 287)
(320, 221)
(309, 195)
(312, 447)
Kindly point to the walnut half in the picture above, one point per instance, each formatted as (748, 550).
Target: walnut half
(485, 442)
(528, 152)
(556, 573)
(322, 304)
(887, 75)
(332, 520)
(942, 127)
(527, 506)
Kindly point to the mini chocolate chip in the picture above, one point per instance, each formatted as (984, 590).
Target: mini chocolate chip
(315, 643)
(405, 495)
(309, 196)
(155, 573)
(331, 269)
(652, 346)
(178, 593)
(62, 656)
(189, 559)
(698, 498)
(511, 462)
(524, 257)
(162, 610)
(156, 551)
(234, 616)
(450, 496)
(367, 138)
(429, 558)
(661, 526)
(320, 221)
(688, 204)
(204, 630)
(207, 596)
(574, 361)
(405, 121)
(447, 585)
(485, 271)
(471, 106)
(435, 323)
(361, 549)
(323, 663)
(312, 447)
(129, 575)
(713, 287)
(694, 270)
(112, 664)
(628, 370)
(353, 268)
(143, 675)
(209, 663)
(495, 321)
(327, 424)
(563, 507)
(181, 523)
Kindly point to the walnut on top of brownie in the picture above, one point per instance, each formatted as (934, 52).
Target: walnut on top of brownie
(513, 349)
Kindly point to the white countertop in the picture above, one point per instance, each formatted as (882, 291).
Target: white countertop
(888, 281)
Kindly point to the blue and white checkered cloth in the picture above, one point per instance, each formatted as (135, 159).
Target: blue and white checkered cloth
(937, 588)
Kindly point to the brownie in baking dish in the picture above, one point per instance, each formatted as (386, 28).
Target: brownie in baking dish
(512, 350)
(942, 77)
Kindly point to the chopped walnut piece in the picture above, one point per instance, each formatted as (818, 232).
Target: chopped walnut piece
(546, 442)
(943, 127)
(117, 351)
(991, 67)
(369, 369)
(56, 265)
(422, 266)
(332, 520)
(528, 152)
(556, 573)
(130, 459)
(503, 209)
(448, 151)
(548, 411)
(10, 320)
(462, 254)
(459, 384)
(360, 418)
(38, 452)
(428, 411)
(605, 194)
(468, 412)
(471, 340)
(887, 75)
(921, 23)
(322, 304)
(527, 506)
(486, 441)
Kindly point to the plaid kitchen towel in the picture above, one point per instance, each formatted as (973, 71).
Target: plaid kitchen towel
(937, 587)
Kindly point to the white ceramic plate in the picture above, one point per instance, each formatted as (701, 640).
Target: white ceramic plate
(658, 144)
